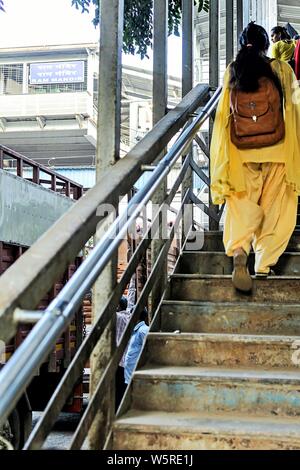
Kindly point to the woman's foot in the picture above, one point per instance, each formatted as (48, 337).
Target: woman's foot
(241, 277)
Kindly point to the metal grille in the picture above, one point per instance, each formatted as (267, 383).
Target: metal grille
(60, 87)
(11, 79)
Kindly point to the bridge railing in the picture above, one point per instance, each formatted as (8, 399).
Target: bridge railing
(24, 287)
(24, 167)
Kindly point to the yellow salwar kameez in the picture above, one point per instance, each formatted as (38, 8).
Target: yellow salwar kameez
(260, 186)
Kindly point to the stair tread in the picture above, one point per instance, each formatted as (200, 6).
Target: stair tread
(222, 337)
(195, 423)
(219, 253)
(234, 305)
(245, 374)
(224, 276)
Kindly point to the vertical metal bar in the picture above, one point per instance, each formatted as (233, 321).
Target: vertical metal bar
(25, 78)
(160, 59)
(36, 175)
(187, 85)
(68, 188)
(20, 167)
(213, 74)
(107, 153)
(1, 158)
(160, 103)
(239, 20)
(187, 46)
(214, 43)
(229, 31)
(53, 182)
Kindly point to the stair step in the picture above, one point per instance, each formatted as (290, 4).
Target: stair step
(205, 262)
(186, 349)
(141, 430)
(216, 390)
(213, 241)
(235, 317)
(212, 288)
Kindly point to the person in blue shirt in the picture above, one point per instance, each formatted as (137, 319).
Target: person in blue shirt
(135, 345)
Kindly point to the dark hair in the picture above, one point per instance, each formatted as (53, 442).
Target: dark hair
(282, 31)
(123, 303)
(144, 315)
(251, 62)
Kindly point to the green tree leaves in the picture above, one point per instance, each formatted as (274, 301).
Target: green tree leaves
(138, 21)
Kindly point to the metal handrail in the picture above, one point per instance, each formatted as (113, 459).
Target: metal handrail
(56, 179)
(17, 374)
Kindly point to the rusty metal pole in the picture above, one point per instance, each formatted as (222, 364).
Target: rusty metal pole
(187, 85)
(160, 104)
(107, 154)
(214, 66)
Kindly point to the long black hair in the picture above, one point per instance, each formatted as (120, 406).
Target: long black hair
(282, 31)
(251, 62)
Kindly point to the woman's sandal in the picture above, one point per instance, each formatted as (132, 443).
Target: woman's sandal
(240, 276)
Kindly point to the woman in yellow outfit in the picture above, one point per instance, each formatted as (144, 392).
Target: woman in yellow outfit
(283, 46)
(260, 185)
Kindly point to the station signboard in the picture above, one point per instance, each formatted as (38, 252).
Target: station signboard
(56, 72)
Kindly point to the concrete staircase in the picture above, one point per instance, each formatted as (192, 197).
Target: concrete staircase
(219, 368)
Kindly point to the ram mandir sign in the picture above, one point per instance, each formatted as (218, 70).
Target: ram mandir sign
(57, 72)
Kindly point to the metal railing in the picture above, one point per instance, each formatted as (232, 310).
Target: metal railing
(18, 372)
(30, 170)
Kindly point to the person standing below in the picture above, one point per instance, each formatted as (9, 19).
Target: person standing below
(283, 46)
(135, 345)
(255, 157)
(124, 314)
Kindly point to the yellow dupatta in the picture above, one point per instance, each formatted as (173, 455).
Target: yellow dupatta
(225, 159)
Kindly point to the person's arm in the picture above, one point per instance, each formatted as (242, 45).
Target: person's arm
(131, 294)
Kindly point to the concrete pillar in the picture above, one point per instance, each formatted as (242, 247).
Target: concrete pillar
(160, 103)
(107, 153)
(160, 59)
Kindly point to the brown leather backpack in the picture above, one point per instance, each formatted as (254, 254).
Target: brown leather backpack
(257, 118)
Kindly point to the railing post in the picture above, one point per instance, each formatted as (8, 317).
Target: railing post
(36, 175)
(20, 167)
(107, 154)
(229, 31)
(160, 103)
(213, 74)
(187, 85)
